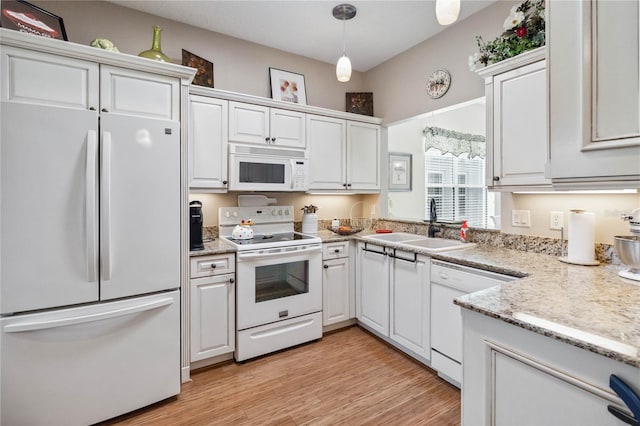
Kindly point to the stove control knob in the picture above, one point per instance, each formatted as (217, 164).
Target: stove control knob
(227, 214)
(280, 212)
(235, 213)
(286, 212)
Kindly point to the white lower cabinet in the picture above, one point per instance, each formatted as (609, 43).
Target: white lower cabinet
(409, 304)
(514, 376)
(212, 308)
(393, 297)
(336, 281)
(372, 288)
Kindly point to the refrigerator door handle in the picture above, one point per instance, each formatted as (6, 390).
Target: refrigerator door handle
(90, 206)
(105, 202)
(82, 319)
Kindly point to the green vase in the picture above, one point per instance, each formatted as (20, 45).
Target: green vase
(155, 52)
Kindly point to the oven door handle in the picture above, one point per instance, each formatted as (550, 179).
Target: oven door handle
(278, 253)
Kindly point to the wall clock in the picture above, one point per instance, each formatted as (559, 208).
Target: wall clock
(438, 83)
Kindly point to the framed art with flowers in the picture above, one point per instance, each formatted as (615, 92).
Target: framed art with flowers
(287, 86)
(524, 29)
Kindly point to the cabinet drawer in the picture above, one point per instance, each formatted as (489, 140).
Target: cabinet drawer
(335, 250)
(205, 266)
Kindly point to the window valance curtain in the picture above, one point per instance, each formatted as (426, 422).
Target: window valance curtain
(454, 142)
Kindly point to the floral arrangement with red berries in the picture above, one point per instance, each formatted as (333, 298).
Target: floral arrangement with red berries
(523, 30)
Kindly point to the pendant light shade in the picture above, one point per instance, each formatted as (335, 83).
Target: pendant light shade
(447, 11)
(343, 69)
(344, 12)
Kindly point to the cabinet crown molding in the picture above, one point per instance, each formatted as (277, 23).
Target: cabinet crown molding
(93, 54)
(520, 60)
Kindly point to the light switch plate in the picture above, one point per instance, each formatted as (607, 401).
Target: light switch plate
(521, 218)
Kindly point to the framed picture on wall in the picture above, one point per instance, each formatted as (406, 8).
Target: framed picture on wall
(360, 103)
(204, 68)
(287, 86)
(24, 17)
(400, 171)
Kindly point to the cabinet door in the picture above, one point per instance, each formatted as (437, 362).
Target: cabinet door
(208, 135)
(288, 128)
(532, 394)
(212, 316)
(130, 92)
(248, 123)
(69, 83)
(520, 126)
(363, 156)
(410, 319)
(335, 291)
(589, 92)
(373, 289)
(326, 141)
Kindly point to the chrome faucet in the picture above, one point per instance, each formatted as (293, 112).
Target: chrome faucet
(433, 218)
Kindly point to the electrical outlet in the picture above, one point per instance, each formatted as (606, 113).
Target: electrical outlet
(521, 218)
(556, 220)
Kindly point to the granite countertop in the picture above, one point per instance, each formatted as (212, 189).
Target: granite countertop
(216, 246)
(590, 307)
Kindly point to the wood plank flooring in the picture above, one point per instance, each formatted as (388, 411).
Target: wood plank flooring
(348, 378)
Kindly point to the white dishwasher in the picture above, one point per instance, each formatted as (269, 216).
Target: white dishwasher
(449, 281)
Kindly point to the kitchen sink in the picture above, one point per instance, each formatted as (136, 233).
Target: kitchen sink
(396, 237)
(437, 244)
(420, 241)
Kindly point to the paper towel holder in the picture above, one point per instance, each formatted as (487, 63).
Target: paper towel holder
(582, 262)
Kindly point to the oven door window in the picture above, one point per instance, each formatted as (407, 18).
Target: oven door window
(261, 172)
(282, 280)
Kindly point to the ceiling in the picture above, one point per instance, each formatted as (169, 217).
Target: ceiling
(380, 30)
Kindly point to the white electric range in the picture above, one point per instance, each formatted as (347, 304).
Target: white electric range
(279, 280)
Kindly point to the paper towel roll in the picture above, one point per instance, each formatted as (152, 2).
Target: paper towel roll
(582, 227)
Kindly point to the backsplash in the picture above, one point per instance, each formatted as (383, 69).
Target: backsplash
(544, 245)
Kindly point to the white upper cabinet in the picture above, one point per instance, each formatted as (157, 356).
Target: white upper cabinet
(257, 124)
(208, 135)
(516, 131)
(594, 93)
(345, 155)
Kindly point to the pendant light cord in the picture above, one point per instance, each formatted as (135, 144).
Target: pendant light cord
(344, 32)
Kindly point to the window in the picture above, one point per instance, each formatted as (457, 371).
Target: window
(457, 185)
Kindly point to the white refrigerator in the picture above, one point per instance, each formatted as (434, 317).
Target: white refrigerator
(89, 262)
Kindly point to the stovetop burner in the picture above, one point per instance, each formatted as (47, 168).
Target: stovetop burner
(272, 238)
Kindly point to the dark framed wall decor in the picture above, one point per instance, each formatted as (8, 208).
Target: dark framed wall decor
(25, 17)
(204, 68)
(360, 103)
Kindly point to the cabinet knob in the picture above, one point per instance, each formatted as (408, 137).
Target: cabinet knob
(348, 184)
(273, 139)
(104, 110)
(337, 250)
(92, 108)
(344, 184)
(231, 280)
(267, 139)
(496, 178)
(326, 266)
(224, 182)
(213, 266)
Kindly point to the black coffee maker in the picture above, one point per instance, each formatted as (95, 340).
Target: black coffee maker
(195, 226)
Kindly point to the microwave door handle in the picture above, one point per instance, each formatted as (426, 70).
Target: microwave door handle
(291, 178)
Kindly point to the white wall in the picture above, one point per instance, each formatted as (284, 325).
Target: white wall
(399, 84)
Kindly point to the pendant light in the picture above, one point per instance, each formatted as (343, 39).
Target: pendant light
(344, 12)
(447, 11)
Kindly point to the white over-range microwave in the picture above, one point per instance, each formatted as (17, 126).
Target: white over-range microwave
(256, 168)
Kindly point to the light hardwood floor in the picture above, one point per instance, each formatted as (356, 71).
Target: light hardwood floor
(348, 378)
